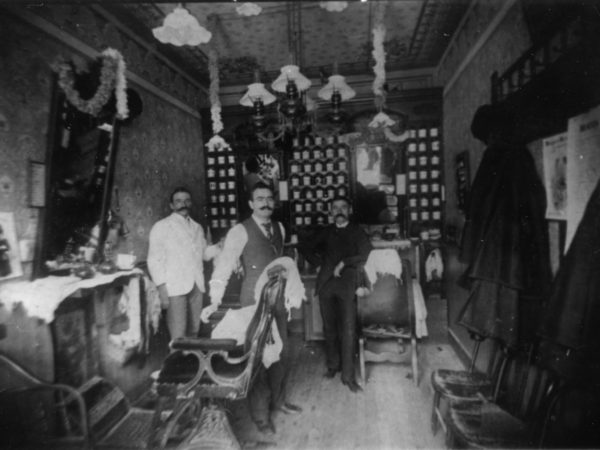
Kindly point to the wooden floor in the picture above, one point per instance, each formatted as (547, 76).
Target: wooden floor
(391, 412)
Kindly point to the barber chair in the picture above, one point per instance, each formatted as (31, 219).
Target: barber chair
(386, 319)
(196, 378)
(202, 373)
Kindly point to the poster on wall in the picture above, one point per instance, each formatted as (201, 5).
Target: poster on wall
(10, 262)
(583, 168)
(555, 176)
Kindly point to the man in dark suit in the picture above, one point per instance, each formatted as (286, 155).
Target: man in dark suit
(340, 250)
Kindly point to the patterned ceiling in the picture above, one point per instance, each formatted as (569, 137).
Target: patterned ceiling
(302, 32)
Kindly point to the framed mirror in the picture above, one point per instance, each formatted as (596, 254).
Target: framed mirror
(80, 157)
(376, 162)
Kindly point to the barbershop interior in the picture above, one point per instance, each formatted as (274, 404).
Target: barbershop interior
(299, 224)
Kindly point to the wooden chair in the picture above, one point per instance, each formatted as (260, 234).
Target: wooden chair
(35, 414)
(453, 385)
(514, 419)
(45, 415)
(388, 314)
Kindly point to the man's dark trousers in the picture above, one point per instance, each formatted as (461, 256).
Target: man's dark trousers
(268, 392)
(338, 310)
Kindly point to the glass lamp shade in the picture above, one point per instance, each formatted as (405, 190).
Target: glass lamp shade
(181, 28)
(257, 91)
(292, 73)
(336, 83)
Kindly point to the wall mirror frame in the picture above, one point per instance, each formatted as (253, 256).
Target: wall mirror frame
(80, 158)
(376, 161)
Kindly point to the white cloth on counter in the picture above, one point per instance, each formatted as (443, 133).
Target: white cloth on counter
(129, 304)
(235, 322)
(41, 297)
(434, 266)
(153, 304)
(420, 310)
(383, 262)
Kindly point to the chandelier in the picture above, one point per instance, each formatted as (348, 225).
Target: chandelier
(294, 107)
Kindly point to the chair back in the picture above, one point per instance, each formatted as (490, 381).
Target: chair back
(391, 301)
(257, 332)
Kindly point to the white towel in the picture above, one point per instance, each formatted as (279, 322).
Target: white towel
(420, 310)
(235, 322)
(382, 262)
(294, 288)
(434, 266)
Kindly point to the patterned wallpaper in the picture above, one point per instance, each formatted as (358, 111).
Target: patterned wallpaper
(159, 150)
(473, 87)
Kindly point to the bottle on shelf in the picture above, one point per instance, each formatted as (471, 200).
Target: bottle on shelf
(330, 148)
(321, 219)
(295, 180)
(341, 164)
(306, 149)
(317, 150)
(341, 179)
(342, 150)
(296, 150)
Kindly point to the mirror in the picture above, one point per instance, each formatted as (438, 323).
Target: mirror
(375, 193)
(376, 161)
(80, 159)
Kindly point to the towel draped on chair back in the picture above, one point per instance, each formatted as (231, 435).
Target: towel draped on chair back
(388, 302)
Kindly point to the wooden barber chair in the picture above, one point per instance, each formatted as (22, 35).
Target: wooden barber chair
(387, 322)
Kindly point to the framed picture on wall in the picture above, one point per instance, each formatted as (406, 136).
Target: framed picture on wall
(10, 261)
(262, 167)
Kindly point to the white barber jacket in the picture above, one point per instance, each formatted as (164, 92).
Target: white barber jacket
(176, 253)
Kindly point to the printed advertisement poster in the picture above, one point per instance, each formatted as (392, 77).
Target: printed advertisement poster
(583, 168)
(555, 176)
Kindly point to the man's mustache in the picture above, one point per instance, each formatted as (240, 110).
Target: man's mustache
(183, 208)
(266, 208)
(343, 216)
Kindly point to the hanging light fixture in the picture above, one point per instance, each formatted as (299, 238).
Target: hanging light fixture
(257, 97)
(336, 90)
(291, 82)
(181, 28)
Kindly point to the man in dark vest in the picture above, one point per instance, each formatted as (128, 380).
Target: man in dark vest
(257, 241)
(340, 250)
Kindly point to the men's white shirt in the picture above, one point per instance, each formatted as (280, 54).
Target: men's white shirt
(235, 241)
(177, 249)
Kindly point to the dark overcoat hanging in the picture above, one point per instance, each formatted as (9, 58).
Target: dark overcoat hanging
(505, 247)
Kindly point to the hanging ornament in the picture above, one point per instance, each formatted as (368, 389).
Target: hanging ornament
(216, 143)
(215, 103)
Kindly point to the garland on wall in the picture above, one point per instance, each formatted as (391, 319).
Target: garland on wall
(381, 119)
(216, 143)
(112, 77)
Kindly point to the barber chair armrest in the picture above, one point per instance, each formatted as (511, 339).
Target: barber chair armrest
(203, 344)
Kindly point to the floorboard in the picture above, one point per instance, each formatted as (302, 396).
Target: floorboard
(390, 413)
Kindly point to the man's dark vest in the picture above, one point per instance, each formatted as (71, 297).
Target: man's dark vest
(257, 255)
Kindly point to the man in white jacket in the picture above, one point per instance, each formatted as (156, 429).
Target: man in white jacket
(176, 253)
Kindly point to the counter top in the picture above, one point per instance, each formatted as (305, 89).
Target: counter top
(41, 297)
